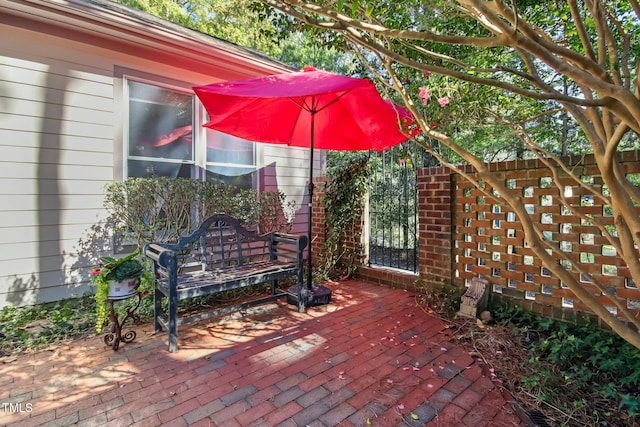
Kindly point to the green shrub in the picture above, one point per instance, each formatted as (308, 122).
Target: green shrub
(163, 209)
(343, 204)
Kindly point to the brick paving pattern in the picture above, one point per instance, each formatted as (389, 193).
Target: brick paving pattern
(371, 357)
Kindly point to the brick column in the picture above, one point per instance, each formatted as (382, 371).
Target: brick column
(435, 225)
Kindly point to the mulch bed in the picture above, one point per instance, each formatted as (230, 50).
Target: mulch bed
(505, 357)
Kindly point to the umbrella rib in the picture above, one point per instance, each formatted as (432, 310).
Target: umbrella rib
(312, 108)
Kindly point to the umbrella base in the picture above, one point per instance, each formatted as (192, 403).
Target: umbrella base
(319, 295)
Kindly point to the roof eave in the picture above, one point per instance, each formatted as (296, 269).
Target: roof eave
(124, 25)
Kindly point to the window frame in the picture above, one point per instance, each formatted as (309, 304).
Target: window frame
(199, 163)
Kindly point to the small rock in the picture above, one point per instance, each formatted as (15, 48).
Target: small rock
(36, 327)
(485, 316)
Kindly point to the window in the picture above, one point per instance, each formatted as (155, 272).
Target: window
(165, 137)
(230, 159)
(160, 132)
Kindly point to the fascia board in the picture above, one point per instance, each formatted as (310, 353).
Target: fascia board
(97, 20)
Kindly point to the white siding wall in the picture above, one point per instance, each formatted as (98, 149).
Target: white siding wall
(56, 139)
(59, 129)
(291, 176)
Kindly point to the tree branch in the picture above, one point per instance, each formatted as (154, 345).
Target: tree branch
(582, 32)
(343, 20)
(359, 40)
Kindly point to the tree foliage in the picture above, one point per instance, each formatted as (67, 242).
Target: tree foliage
(544, 78)
(228, 20)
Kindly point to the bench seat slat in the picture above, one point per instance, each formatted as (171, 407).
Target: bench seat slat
(205, 278)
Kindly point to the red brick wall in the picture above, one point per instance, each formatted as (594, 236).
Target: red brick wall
(490, 241)
(463, 234)
(434, 225)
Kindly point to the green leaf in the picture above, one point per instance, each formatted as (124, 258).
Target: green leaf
(369, 10)
(414, 416)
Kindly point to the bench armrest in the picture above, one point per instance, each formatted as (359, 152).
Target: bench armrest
(160, 255)
(289, 247)
(294, 239)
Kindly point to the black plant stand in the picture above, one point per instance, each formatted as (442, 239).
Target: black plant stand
(114, 337)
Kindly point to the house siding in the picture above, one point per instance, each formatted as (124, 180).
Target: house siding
(56, 137)
(291, 176)
(60, 143)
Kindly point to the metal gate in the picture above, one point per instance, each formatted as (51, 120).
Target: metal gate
(393, 206)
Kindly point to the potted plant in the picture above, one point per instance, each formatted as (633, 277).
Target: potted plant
(115, 278)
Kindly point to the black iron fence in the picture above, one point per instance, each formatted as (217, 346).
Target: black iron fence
(393, 206)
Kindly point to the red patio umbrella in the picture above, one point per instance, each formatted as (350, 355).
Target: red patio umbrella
(310, 108)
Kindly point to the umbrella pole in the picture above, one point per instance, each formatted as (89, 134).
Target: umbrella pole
(309, 261)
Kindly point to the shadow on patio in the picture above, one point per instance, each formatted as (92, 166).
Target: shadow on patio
(371, 357)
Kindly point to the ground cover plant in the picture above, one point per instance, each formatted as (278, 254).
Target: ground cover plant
(39, 326)
(562, 374)
(45, 326)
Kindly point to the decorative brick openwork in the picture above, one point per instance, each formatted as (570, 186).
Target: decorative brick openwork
(489, 240)
(464, 234)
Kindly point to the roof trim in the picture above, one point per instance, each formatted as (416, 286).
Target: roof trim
(124, 25)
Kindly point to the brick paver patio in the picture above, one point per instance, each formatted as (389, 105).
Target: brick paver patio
(371, 357)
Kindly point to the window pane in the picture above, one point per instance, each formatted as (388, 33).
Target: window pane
(238, 177)
(149, 169)
(160, 122)
(224, 148)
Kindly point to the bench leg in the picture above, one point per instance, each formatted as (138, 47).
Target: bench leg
(157, 309)
(173, 322)
(274, 287)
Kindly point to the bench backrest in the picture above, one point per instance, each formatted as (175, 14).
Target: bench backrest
(221, 242)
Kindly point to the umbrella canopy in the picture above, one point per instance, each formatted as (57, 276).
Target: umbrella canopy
(311, 108)
(346, 113)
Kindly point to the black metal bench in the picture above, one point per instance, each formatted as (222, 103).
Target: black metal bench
(221, 255)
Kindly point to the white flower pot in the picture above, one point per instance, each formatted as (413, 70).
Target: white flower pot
(124, 289)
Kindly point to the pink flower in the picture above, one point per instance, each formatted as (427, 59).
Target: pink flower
(426, 73)
(424, 95)
(444, 101)
(433, 125)
(95, 272)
